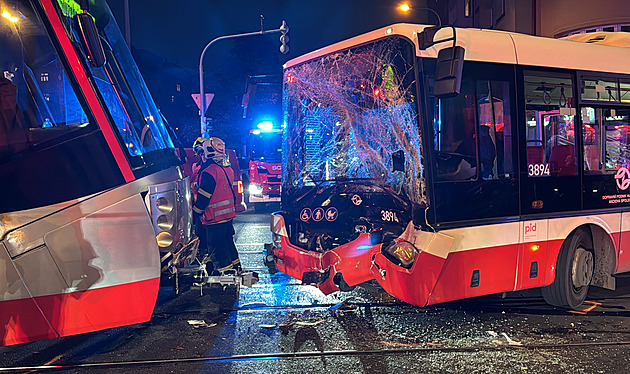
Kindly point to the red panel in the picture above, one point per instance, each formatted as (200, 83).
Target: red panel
(21, 321)
(497, 273)
(410, 285)
(296, 261)
(78, 312)
(86, 88)
(352, 259)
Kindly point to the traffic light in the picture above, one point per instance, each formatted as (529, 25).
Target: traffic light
(284, 38)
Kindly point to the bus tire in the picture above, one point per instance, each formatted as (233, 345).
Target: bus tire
(574, 271)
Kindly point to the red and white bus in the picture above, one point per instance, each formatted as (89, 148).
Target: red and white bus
(447, 163)
(94, 205)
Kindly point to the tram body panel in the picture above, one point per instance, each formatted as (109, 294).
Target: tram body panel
(91, 265)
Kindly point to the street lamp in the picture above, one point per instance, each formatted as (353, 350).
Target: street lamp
(405, 8)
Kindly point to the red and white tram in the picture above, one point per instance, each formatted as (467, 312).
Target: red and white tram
(93, 202)
(447, 163)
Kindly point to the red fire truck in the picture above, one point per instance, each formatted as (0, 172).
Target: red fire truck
(264, 150)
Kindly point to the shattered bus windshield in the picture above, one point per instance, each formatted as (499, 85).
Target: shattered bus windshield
(347, 113)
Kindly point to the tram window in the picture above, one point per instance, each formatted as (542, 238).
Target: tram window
(550, 124)
(37, 102)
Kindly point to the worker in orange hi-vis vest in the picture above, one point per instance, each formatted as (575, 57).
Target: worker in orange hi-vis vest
(213, 208)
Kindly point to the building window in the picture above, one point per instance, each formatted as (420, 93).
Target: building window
(179, 87)
(43, 77)
(467, 6)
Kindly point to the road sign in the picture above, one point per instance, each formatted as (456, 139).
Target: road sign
(197, 98)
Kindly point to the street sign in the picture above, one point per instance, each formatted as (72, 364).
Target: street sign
(197, 98)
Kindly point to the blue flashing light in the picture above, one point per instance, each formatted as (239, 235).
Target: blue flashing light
(256, 132)
(265, 125)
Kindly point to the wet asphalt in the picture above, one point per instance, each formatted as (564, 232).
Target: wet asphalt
(281, 326)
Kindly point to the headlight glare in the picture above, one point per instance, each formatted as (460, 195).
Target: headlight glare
(255, 189)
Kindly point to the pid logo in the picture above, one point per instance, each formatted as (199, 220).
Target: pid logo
(530, 230)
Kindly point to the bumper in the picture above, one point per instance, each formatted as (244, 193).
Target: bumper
(352, 260)
(263, 199)
(414, 285)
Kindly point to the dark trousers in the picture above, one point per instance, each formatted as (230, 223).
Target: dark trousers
(219, 239)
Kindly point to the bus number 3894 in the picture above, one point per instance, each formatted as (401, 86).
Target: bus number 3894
(538, 170)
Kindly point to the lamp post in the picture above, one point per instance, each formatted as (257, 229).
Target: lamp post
(405, 8)
(202, 97)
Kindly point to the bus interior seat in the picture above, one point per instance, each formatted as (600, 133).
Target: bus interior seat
(562, 159)
(535, 154)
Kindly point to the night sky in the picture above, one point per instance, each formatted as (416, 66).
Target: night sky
(177, 32)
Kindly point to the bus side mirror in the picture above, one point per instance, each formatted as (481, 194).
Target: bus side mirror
(448, 76)
(425, 38)
(90, 39)
(398, 161)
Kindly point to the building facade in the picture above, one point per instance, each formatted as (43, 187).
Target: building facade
(550, 18)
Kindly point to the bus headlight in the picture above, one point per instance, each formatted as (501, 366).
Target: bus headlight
(255, 189)
(277, 240)
(403, 252)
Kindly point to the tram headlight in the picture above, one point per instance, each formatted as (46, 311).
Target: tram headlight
(404, 252)
(255, 189)
(164, 239)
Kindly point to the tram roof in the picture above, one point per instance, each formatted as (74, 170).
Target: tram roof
(581, 53)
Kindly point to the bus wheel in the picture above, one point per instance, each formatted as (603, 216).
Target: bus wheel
(574, 272)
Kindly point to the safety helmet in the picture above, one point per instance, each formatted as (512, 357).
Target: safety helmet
(214, 149)
(197, 146)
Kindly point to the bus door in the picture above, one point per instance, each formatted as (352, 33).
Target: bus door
(606, 181)
(550, 168)
(475, 176)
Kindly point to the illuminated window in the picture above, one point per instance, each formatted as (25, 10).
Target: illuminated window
(179, 87)
(44, 77)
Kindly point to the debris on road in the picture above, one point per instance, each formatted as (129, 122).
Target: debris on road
(268, 326)
(510, 341)
(592, 306)
(196, 323)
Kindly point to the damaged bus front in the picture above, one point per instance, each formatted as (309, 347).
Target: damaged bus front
(352, 162)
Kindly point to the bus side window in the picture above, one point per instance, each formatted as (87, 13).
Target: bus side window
(617, 127)
(495, 137)
(591, 134)
(550, 124)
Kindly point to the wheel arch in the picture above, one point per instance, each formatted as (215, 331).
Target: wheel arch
(605, 256)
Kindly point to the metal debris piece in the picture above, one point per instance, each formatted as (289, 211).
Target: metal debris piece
(592, 306)
(493, 334)
(299, 323)
(510, 341)
(196, 323)
(254, 303)
(269, 327)
(344, 305)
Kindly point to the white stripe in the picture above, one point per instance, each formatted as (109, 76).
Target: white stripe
(224, 211)
(222, 203)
